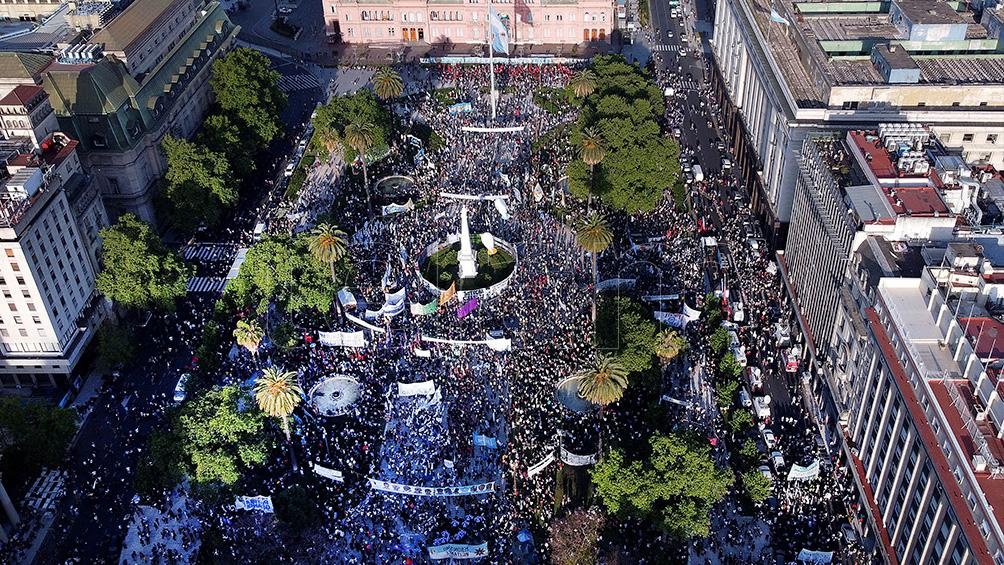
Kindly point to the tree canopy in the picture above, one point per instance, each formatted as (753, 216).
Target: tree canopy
(247, 87)
(758, 486)
(36, 435)
(674, 487)
(283, 270)
(223, 135)
(624, 328)
(199, 184)
(361, 107)
(137, 270)
(222, 435)
(639, 163)
(574, 538)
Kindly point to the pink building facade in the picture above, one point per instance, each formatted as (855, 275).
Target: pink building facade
(459, 22)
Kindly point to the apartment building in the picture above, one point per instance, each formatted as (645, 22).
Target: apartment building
(25, 11)
(459, 22)
(785, 69)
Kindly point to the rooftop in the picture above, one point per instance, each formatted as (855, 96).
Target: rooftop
(22, 95)
(905, 301)
(986, 336)
(44, 37)
(907, 190)
(829, 45)
(128, 26)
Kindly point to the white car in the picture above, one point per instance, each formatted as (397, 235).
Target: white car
(745, 398)
(777, 460)
(179, 389)
(669, 34)
(769, 439)
(289, 169)
(765, 471)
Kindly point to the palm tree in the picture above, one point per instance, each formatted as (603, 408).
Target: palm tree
(583, 83)
(603, 382)
(387, 83)
(248, 335)
(327, 244)
(594, 236)
(592, 152)
(361, 135)
(278, 394)
(669, 344)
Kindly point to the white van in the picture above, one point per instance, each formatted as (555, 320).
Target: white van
(259, 229)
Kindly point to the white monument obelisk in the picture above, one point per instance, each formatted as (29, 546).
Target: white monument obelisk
(468, 262)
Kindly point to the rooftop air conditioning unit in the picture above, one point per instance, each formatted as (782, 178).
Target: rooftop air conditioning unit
(979, 464)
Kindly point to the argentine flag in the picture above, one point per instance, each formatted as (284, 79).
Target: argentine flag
(500, 35)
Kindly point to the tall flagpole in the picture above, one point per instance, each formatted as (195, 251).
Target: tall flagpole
(491, 58)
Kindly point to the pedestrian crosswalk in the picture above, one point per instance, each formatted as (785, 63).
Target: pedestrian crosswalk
(209, 252)
(206, 284)
(303, 81)
(688, 84)
(665, 48)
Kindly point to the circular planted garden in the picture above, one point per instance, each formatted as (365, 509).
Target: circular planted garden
(442, 267)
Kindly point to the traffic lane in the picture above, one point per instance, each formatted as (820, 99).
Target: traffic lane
(699, 135)
(118, 433)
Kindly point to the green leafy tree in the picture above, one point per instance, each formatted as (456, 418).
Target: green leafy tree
(282, 270)
(725, 393)
(719, 340)
(712, 314)
(116, 345)
(332, 119)
(583, 83)
(387, 83)
(626, 329)
(574, 538)
(674, 487)
(247, 88)
(361, 135)
(297, 509)
(729, 366)
(669, 344)
(222, 435)
(639, 163)
(592, 152)
(749, 454)
(162, 465)
(199, 184)
(604, 381)
(278, 394)
(248, 335)
(757, 485)
(740, 421)
(137, 270)
(223, 135)
(35, 435)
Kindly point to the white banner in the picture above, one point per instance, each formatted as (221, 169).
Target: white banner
(263, 503)
(419, 352)
(575, 460)
(458, 551)
(427, 388)
(397, 208)
(689, 313)
(346, 297)
(502, 208)
(398, 488)
(364, 323)
(810, 556)
(540, 466)
(342, 339)
(800, 473)
(619, 284)
(498, 344)
(329, 473)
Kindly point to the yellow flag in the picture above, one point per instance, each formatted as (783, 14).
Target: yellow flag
(446, 296)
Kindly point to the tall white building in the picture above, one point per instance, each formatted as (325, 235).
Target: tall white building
(50, 215)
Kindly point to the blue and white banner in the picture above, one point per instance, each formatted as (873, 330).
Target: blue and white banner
(459, 108)
(485, 441)
(342, 339)
(262, 503)
(810, 556)
(458, 551)
(397, 208)
(619, 284)
(329, 473)
(800, 473)
(464, 490)
(671, 319)
(499, 32)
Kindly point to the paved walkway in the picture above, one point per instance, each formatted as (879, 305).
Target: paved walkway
(162, 536)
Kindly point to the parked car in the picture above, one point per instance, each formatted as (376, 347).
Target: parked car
(179, 389)
(289, 170)
(778, 460)
(765, 470)
(769, 439)
(745, 398)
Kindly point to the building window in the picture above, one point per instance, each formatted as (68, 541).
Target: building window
(12, 307)
(849, 105)
(956, 104)
(921, 104)
(965, 138)
(945, 137)
(36, 319)
(991, 138)
(20, 280)
(15, 267)
(9, 252)
(983, 103)
(23, 332)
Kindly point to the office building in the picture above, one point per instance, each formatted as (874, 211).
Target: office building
(785, 69)
(25, 11)
(460, 22)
